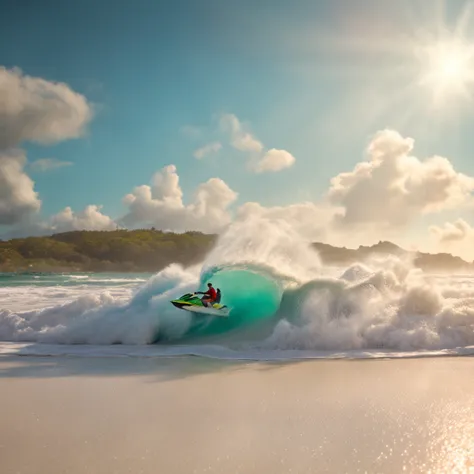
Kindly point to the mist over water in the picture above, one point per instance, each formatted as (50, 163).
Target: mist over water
(282, 298)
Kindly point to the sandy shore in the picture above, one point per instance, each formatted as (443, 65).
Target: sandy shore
(190, 415)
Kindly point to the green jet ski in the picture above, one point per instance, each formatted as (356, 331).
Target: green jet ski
(191, 302)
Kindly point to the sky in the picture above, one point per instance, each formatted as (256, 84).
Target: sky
(349, 121)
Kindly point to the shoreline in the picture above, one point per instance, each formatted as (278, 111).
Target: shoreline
(216, 352)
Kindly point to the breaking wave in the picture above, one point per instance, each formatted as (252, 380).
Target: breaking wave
(284, 302)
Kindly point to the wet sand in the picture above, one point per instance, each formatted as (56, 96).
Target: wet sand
(192, 415)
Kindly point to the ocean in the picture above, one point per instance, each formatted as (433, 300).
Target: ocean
(285, 305)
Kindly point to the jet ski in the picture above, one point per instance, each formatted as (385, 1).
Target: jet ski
(191, 302)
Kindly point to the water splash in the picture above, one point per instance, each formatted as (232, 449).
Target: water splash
(282, 300)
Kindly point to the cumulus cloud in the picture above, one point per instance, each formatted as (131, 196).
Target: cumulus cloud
(207, 150)
(45, 164)
(260, 161)
(18, 199)
(275, 160)
(379, 198)
(34, 109)
(89, 219)
(161, 204)
(456, 237)
(240, 139)
(453, 232)
(392, 188)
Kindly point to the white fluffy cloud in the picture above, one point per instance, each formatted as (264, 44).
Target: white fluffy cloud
(207, 150)
(45, 164)
(89, 219)
(453, 232)
(260, 161)
(275, 160)
(456, 237)
(393, 188)
(161, 204)
(66, 220)
(380, 198)
(240, 139)
(18, 199)
(34, 109)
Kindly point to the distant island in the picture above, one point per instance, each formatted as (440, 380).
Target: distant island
(152, 250)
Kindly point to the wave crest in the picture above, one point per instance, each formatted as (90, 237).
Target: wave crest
(282, 299)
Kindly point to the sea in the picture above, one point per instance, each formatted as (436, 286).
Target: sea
(285, 304)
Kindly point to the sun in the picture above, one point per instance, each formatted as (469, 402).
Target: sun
(452, 68)
(448, 70)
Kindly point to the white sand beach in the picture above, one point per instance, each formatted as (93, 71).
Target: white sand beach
(194, 415)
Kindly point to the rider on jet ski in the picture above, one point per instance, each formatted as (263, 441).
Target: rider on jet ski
(211, 296)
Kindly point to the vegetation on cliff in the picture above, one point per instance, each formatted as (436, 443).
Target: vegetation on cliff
(151, 250)
(120, 250)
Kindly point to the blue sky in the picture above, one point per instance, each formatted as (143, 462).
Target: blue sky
(315, 78)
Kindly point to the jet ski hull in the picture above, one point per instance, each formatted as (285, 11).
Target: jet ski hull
(223, 313)
(194, 305)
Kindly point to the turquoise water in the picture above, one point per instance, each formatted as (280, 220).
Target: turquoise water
(252, 297)
(252, 294)
(361, 310)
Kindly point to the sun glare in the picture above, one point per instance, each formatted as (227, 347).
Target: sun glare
(452, 68)
(417, 69)
(449, 69)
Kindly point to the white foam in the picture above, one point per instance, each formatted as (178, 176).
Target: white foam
(26, 298)
(398, 308)
(271, 244)
(212, 352)
(382, 306)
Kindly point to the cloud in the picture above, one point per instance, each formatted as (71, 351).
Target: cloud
(275, 160)
(45, 164)
(34, 109)
(208, 149)
(379, 199)
(239, 138)
(161, 204)
(18, 199)
(453, 232)
(456, 237)
(89, 219)
(393, 188)
(260, 161)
